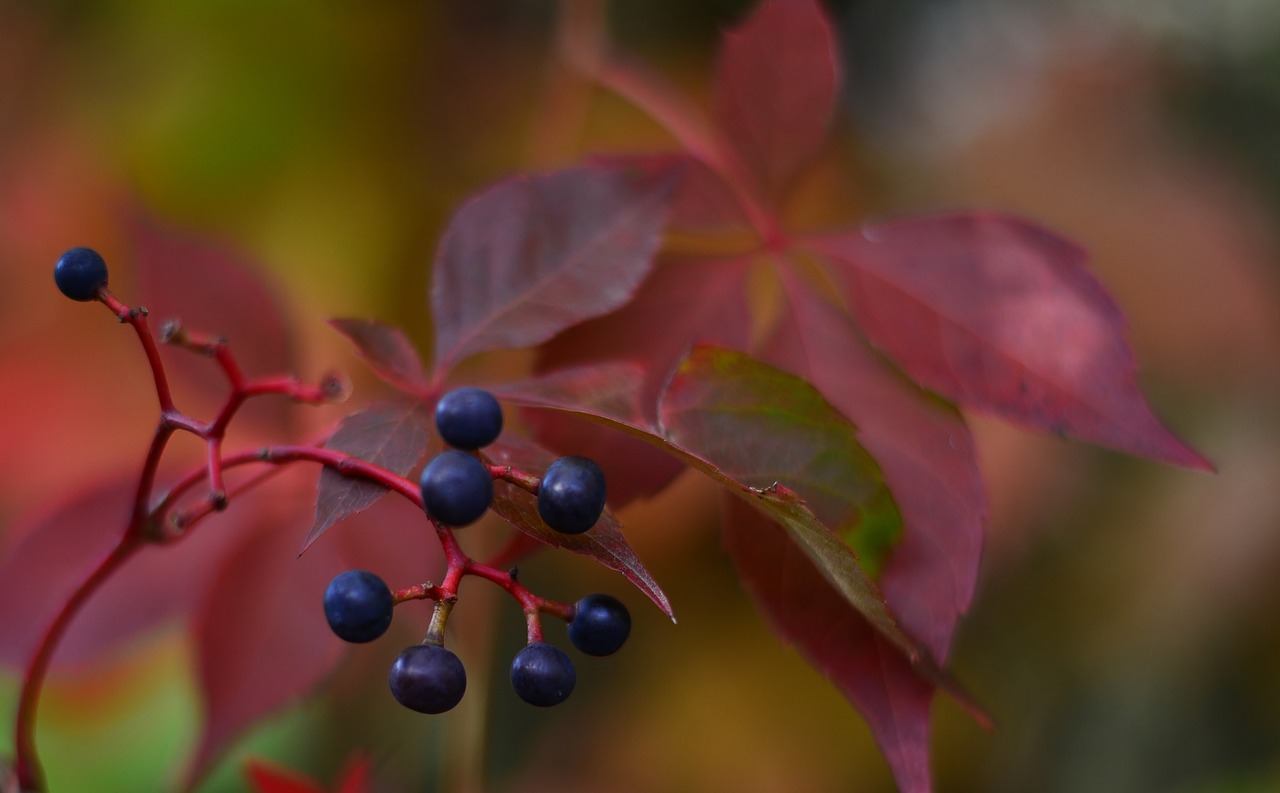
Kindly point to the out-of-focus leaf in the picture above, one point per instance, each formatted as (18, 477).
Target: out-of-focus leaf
(531, 256)
(387, 351)
(761, 427)
(261, 640)
(604, 542)
(1002, 316)
(925, 450)
(807, 611)
(393, 435)
(273, 779)
(211, 290)
(775, 89)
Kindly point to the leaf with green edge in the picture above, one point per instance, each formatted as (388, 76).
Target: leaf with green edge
(603, 542)
(804, 609)
(775, 89)
(393, 435)
(761, 426)
(388, 351)
(531, 256)
(922, 445)
(1000, 315)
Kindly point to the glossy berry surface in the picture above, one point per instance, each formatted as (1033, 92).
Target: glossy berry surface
(542, 675)
(468, 418)
(428, 678)
(80, 273)
(571, 495)
(456, 488)
(358, 606)
(600, 625)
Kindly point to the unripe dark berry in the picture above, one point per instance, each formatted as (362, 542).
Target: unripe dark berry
(468, 418)
(571, 495)
(600, 625)
(542, 675)
(358, 606)
(428, 678)
(456, 488)
(80, 273)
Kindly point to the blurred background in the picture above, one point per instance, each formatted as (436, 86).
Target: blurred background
(1125, 634)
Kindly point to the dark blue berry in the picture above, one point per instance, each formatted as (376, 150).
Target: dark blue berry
(468, 418)
(571, 495)
(428, 678)
(543, 675)
(80, 273)
(600, 625)
(456, 488)
(358, 605)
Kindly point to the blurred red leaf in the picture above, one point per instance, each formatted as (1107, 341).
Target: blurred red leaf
(387, 351)
(212, 290)
(604, 543)
(607, 390)
(272, 779)
(393, 435)
(775, 89)
(807, 611)
(260, 635)
(531, 256)
(1000, 315)
(925, 451)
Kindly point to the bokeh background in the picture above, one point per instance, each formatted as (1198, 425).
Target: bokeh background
(1125, 633)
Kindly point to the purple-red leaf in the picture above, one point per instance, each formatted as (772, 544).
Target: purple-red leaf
(775, 89)
(533, 255)
(387, 351)
(394, 436)
(1000, 315)
(607, 390)
(604, 542)
(925, 450)
(807, 611)
(260, 636)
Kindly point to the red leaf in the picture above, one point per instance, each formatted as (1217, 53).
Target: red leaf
(804, 609)
(260, 636)
(533, 255)
(1000, 315)
(212, 290)
(355, 776)
(606, 391)
(387, 351)
(927, 455)
(271, 779)
(775, 89)
(604, 543)
(682, 302)
(394, 435)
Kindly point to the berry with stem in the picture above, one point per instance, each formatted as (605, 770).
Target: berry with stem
(428, 678)
(571, 495)
(456, 488)
(358, 606)
(80, 273)
(600, 625)
(543, 675)
(468, 418)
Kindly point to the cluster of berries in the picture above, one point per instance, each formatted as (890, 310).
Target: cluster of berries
(457, 489)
